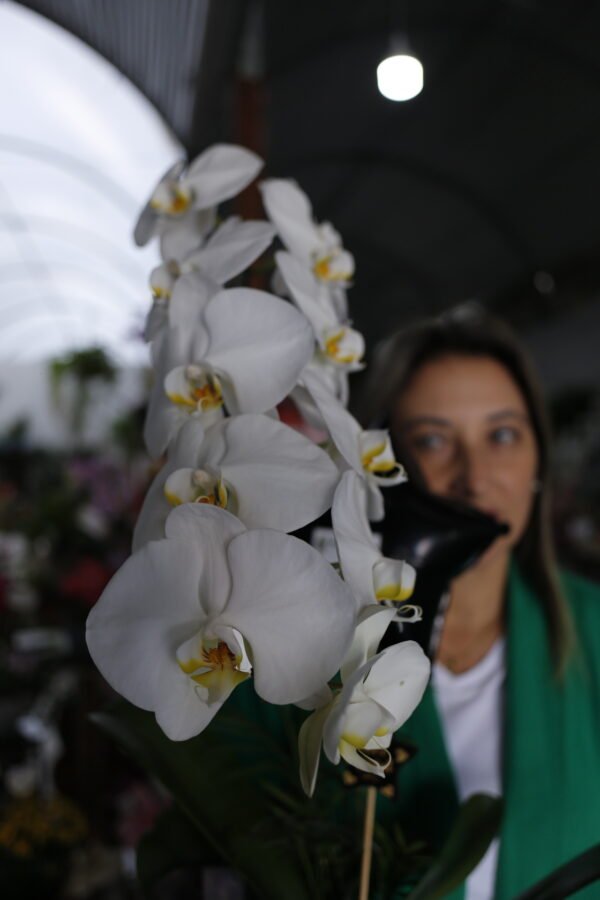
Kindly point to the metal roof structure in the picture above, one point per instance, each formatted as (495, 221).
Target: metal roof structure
(486, 185)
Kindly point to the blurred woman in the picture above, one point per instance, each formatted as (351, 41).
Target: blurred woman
(514, 704)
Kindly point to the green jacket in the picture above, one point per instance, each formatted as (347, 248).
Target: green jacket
(551, 750)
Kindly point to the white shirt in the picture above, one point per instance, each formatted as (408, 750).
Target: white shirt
(470, 707)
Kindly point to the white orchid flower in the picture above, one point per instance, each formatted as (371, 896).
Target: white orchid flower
(368, 452)
(318, 247)
(181, 304)
(218, 174)
(232, 247)
(180, 237)
(259, 469)
(356, 722)
(372, 576)
(339, 344)
(380, 585)
(247, 355)
(185, 619)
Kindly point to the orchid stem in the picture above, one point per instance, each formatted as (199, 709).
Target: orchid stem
(367, 849)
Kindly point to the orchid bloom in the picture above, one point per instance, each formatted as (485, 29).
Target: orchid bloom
(181, 304)
(179, 238)
(186, 619)
(220, 172)
(318, 247)
(231, 248)
(368, 452)
(339, 345)
(372, 577)
(379, 691)
(374, 701)
(247, 355)
(380, 585)
(259, 469)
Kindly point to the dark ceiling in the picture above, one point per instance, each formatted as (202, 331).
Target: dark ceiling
(490, 176)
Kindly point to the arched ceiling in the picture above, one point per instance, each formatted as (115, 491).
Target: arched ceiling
(490, 176)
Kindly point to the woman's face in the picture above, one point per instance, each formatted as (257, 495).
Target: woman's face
(463, 421)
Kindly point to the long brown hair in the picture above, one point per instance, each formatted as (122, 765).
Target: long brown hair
(470, 331)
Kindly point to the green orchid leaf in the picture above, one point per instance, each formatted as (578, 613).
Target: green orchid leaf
(568, 878)
(173, 843)
(208, 778)
(476, 825)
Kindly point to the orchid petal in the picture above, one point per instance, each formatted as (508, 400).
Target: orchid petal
(343, 347)
(221, 172)
(289, 209)
(359, 759)
(372, 624)
(296, 614)
(190, 295)
(310, 297)
(149, 607)
(393, 580)
(171, 398)
(145, 225)
(163, 420)
(375, 504)
(184, 715)
(357, 550)
(320, 698)
(162, 280)
(343, 427)
(364, 719)
(378, 458)
(398, 681)
(150, 525)
(232, 248)
(280, 478)
(157, 319)
(179, 238)
(394, 679)
(207, 530)
(309, 749)
(260, 342)
(171, 348)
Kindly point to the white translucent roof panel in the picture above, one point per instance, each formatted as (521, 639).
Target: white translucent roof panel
(80, 150)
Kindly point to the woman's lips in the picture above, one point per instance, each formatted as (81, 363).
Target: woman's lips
(492, 513)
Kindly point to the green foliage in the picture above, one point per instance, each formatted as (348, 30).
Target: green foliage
(567, 879)
(173, 843)
(239, 804)
(83, 367)
(477, 823)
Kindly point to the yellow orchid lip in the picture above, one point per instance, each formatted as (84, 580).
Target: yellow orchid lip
(194, 388)
(217, 669)
(171, 200)
(377, 456)
(394, 592)
(338, 346)
(383, 467)
(323, 269)
(355, 740)
(196, 486)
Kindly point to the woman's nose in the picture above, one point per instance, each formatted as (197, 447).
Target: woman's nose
(471, 473)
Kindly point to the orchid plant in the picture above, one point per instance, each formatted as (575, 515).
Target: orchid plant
(217, 591)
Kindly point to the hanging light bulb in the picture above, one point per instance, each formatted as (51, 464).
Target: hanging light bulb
(400, 75)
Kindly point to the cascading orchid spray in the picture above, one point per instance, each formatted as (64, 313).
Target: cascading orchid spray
(216, 590)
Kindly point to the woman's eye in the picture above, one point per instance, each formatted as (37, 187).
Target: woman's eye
(429, 441)
(505, 435)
